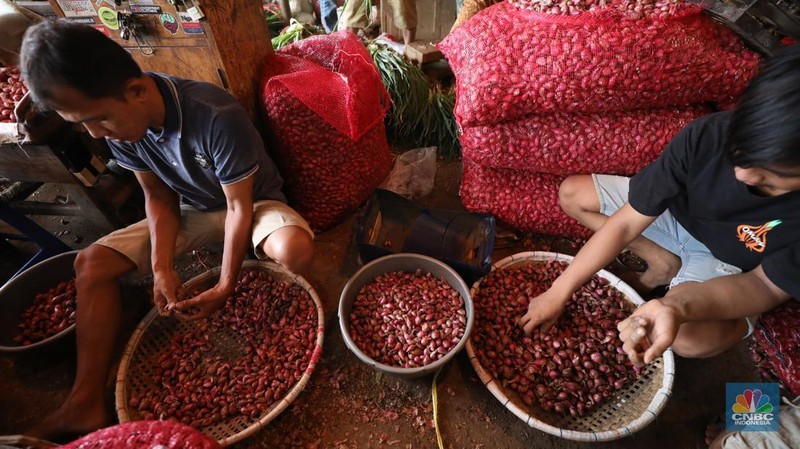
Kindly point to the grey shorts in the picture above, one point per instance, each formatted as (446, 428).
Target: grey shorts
(697, 262)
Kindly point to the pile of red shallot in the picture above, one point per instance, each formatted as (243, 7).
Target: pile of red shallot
(570, 369)
(50, 313)
(11, 92)
(407, 320)
(238, 362)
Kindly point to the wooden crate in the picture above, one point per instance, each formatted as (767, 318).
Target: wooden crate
(434, 19)
(226, 48)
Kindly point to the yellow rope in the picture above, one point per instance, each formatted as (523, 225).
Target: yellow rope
(436, 410)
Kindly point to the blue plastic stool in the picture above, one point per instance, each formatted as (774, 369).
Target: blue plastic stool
(49, 245)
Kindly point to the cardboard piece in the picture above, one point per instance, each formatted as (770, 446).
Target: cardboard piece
(423, 52)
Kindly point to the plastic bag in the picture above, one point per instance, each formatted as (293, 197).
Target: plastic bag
(413, 173)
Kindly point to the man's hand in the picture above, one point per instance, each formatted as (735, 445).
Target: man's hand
(649, 331)
(543, 311)
(165, 291)
(202, 305)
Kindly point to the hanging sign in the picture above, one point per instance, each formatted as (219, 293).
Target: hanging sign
(145, 9)
(192, 27)
(83, 20)
(77, 8)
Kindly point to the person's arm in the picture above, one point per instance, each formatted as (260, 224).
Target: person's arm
(652, 328)
(618, 232)
(238, 222)
(163, 220)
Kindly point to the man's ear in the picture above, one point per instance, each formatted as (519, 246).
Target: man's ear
(136, 89)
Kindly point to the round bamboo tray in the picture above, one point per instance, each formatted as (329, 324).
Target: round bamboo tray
(153, 335)
(625, 413)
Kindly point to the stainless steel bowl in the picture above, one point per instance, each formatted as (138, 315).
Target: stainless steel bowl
(19, 293)
(402, 262)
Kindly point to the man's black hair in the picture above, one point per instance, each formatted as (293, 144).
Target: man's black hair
(60, 53)
(765, 127)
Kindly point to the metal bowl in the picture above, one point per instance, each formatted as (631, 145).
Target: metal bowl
(402, 262)
(18, 294)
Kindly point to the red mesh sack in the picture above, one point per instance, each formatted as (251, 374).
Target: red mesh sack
(566, 143)
(522, 199)
(349, 93)
(630, 8)
(512, 62)
(776, 346)
(145, 435)
(324, 104)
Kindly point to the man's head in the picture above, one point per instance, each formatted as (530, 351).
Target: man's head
(764, 133)
(86, 77)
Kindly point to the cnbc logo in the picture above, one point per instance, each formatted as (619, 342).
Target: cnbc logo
(750, 407)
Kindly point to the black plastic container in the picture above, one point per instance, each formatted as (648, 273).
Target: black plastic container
(392, 224)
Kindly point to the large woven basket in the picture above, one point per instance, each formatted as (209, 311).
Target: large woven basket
(628, 411)
(154, 333)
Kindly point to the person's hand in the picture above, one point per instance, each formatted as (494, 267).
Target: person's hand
(202, 305)
(165, 291)
(648, 332)
(543, 311)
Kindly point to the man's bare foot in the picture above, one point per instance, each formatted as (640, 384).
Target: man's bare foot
(71, 421)
(657, 274)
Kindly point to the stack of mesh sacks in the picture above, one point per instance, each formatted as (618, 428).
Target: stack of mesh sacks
(544, 91)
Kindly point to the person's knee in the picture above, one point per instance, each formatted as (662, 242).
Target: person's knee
(292, 247)
(702, 340)
(577, 195)
(97, 264)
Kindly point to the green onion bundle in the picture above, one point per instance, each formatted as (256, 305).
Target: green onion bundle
(420, 115)
(440, 128)
(295, 32)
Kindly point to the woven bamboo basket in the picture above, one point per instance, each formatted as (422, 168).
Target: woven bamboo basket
(154, 333)
(625, 413)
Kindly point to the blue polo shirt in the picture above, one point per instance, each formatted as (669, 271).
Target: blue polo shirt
(208, 141)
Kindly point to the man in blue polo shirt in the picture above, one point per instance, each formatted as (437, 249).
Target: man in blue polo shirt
(205, 175)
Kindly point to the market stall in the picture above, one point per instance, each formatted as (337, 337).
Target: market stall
(433, 202)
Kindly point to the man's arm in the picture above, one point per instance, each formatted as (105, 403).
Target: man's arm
(163, 220)
(618, 232)
(723, 298)
(238, 223)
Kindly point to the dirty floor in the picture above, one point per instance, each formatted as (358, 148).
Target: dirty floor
(347, 405)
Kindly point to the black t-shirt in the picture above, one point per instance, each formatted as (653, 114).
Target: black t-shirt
(695, 180)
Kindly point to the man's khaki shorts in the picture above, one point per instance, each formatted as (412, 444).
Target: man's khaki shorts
(201, 228)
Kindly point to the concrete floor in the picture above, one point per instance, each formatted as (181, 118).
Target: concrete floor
(348, 405)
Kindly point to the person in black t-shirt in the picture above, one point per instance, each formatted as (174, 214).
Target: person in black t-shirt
(716, 216)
